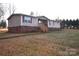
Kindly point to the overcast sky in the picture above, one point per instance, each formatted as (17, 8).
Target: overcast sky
(49, 8)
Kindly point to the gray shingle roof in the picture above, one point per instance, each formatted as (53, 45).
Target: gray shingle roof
(40, 17)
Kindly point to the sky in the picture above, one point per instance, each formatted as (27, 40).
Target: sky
(64, 9)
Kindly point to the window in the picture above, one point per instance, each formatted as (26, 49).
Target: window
(27, 19)
(53, 23)
(49, 22)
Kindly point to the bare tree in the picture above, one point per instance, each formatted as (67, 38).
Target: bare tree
(6, 9)
(12, 9)
(2, 10)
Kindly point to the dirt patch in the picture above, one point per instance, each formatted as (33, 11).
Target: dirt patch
(3, 30)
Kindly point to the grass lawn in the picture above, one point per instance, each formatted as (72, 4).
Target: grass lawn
(68, 38)
(65, 42)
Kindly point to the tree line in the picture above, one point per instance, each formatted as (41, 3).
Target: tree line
(72, 24)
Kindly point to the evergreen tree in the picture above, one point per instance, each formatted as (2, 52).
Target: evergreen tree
(77, 23)
(70, 23)
(74, 23)
(3, 24)
(67, 23)
(63, 24)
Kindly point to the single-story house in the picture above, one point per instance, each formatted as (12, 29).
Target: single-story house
(25, 23)
(28, 23)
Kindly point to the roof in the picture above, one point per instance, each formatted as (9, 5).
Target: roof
(43, 17)
(40, 17)
(56, 20)
(19, 15)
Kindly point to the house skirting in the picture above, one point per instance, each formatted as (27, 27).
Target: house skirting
(28, 29)
(54, 29)
(22, 29)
